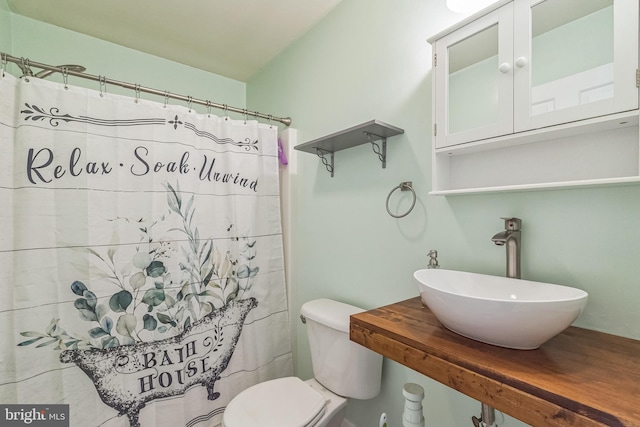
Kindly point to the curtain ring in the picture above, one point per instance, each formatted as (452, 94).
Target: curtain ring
(26, 69)
(403, 186)
(270, 118)
(65, 77)
(189, 102)
(137, 89)
(245, 112)
(3, 63)
(166, 98)
(225, 108)
(208, 108)
(103, 85)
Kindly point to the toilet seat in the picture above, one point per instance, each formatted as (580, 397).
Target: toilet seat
(285, 402)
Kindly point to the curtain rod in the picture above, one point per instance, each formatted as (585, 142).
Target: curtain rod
(25, 66)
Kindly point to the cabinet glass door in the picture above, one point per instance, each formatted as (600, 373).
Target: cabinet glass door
(578, 68)
(473, 81)
(474, 74)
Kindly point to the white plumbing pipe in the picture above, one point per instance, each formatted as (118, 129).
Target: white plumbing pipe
(412, 415)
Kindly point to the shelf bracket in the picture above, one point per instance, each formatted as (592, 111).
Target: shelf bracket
(380, 151)
(328, 164)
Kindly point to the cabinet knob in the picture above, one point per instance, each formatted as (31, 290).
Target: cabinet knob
(505, 67)
(521, 62)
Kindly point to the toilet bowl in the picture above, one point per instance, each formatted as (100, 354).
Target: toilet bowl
(342, 369)
(285, 402)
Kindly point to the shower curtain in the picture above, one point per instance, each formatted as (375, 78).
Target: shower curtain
(141, 261)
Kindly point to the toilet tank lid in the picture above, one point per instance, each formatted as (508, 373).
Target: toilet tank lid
(330, 313)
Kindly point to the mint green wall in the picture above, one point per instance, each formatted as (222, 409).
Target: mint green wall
(54, 45)
(5, 27)
(371, 60)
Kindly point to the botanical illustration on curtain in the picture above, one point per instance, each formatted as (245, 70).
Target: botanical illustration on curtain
(141, 258)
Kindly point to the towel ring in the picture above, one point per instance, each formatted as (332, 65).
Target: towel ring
(403, 186)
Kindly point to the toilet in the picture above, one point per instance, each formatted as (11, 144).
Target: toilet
(342, 369)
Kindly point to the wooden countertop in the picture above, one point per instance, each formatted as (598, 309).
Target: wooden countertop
(578, 378)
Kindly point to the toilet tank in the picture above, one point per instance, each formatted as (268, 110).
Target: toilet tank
(344, 367)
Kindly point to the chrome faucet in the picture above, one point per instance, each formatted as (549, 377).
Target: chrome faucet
(510, 238)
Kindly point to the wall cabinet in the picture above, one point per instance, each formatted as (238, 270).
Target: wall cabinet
(527, 72)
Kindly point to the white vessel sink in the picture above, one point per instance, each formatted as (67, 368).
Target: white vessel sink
(511, 313)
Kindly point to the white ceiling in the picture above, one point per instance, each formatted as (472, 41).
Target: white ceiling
(232, 38)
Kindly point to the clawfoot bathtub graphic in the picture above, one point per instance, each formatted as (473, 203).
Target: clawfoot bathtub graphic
(129, 376)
